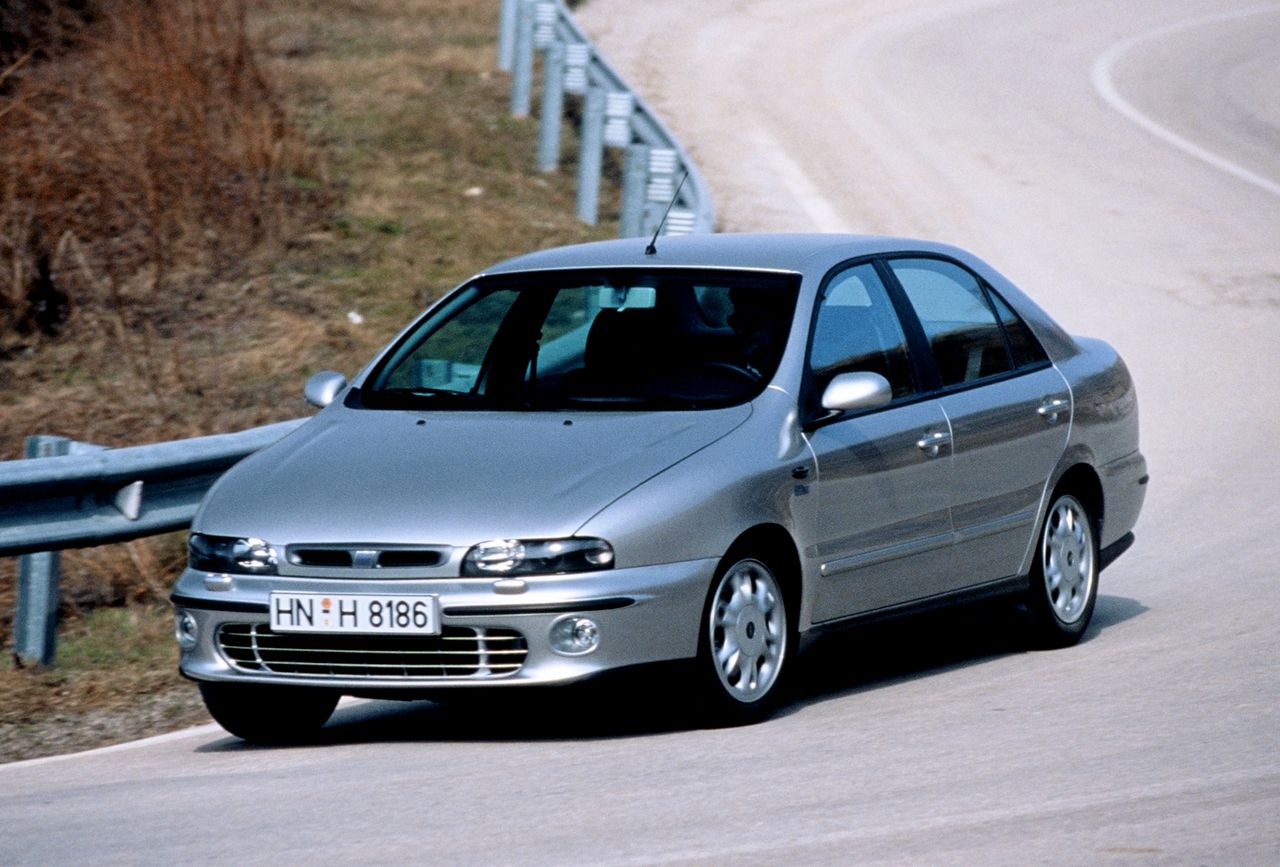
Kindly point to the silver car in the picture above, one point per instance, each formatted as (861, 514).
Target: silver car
(596, 457)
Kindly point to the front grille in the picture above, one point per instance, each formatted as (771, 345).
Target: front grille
(342, 557)
(457, 652)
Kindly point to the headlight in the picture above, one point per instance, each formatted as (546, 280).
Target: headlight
(500, 558)
(228, 554)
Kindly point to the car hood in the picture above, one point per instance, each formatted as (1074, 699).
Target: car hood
(453, 478)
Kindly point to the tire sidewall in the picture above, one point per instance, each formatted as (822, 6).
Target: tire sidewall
(1049, 629)
(268, 714)
(715, 704)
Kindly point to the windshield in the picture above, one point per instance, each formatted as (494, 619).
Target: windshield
(614, 339)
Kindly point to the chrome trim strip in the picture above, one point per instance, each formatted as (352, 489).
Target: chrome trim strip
(548, 608)
(990, 528)
(890, 552)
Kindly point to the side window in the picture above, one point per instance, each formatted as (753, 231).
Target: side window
(1026, 349)
(858, 330)
(563, 339)
(957, 319)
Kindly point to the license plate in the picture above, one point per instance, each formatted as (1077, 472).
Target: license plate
(355, 613)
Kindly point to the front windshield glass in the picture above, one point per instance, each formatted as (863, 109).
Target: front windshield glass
(620, 338)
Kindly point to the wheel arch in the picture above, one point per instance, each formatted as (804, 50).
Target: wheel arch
(1081, 481)
(775, 543)
(1077, 474)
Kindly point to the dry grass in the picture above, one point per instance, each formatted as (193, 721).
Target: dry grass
(426, 178)
(388, 172)
(116, 680)
(149, 155)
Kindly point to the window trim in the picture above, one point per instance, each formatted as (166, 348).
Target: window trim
(1044, 356)
(525, 282)
(928, 359)
(923, 363)
(813, 414)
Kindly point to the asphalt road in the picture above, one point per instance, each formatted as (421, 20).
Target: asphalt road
(1122, 163)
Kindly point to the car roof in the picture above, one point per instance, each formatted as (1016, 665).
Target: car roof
(800, 253)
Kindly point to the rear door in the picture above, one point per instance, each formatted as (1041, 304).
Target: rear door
(1009, 412)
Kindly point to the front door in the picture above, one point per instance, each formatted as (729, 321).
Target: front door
(885, 522)
(883, 526)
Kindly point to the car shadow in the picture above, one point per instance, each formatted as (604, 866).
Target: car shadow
(637, 703)
(862, 658)
(625, 706)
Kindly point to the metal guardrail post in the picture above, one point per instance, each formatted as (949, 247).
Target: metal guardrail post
(591, 156)
(507, 34)
(552, 107)
(522, 72)
(35, 626)
(635, 175)
(577, 57)
(545, 15)
(618, 108)
(528, 26)
(661, 188)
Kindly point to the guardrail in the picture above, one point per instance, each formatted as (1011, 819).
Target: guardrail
(612, 115)
(81, 495)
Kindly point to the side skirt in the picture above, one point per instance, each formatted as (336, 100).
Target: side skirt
(991, 590)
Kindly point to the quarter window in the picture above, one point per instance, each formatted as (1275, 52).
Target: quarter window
(858, 330)
(1022, 343)
(957, 319)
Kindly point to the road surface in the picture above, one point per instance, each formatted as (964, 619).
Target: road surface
(1121, 161)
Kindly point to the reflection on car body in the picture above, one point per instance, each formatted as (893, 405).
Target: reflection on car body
(590, 458)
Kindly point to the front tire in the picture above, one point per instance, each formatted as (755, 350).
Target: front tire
(268, 714)
(1064, 578)
(745, 644)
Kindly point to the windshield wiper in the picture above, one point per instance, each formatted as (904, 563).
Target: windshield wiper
(596, 399)
(401, 396)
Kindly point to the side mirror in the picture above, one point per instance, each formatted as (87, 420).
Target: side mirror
(323, 387)
(860, 390)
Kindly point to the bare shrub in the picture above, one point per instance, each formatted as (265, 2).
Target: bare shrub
(38, 29)
(150, 155)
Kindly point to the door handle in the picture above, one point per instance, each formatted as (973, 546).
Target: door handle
(1052, 408)
(932, 441)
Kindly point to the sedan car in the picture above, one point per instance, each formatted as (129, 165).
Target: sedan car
(601, 456)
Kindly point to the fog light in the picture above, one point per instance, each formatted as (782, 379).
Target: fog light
(186, 630)
(574, 636)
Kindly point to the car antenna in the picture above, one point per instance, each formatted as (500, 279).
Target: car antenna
(653, 244)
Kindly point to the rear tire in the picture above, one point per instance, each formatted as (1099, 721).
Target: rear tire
(268, 714)
(1064, 577)
(744, 645)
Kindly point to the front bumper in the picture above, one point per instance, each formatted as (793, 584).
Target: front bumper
(645, 614)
